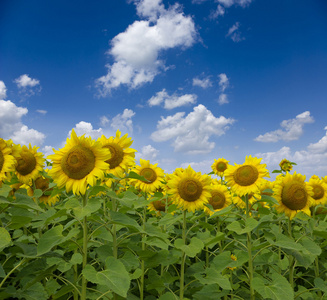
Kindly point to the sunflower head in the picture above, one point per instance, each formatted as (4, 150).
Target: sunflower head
(319, 189)
(245, 179)
(293, 194)
(81, 162)
(188, 189)
(7, 161)
(285, 165)
(220, 166)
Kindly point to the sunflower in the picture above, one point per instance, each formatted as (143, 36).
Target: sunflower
(153, 175)
(293, 194)
(285, 165)
(245, 179)
(122, 157)
(79, 163)
(220, 166)
(29, 163)
(188, 189)
(319, 188)
(7, 161)
(219, 199)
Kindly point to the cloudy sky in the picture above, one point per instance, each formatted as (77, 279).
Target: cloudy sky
(190, 81)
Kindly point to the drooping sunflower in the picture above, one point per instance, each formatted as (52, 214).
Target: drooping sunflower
(220, 197)
(7, 161)
(319, 188)
(285, 165)
(220, 166)
(188, 189)
(245, 179)
(293, 194)
(81, 162)
(29, 163)
(122, 157)
(153, 175)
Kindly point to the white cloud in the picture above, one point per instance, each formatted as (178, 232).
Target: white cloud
(312, 161)
(171, 101)
(235, 34)
(220, 11)
(27, 85)
(42, 111)
(123, 121)
(136, 51)
(104, 121)
(191, 134)
(202, 166)
(292, 129)
(229, 3)
(223, 81)
(87, 129)
(47, 150)
(223, 99)
(204, 83)
(148, 152)
(3, 90)
(25, 136)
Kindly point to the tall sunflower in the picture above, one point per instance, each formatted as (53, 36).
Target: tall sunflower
(319, 188)
(285, 165)
(245, 179)
(153, 175)
(29, 163)
(293, 194)
(79, 163)
(188, 189)
(7, 161)
(122, 157)
(220, 166)
(219, 199)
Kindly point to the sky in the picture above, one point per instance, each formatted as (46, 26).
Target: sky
(190, 81)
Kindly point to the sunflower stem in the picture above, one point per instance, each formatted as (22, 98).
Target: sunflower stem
(114, 235)
(143, 248)
(85, 241)
(249, 247)
(206, 247)
(290, 257)
(181, 288)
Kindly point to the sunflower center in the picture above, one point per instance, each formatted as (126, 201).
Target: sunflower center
(42, 183)
(190, 189)
(149, 174)
(78, 162)
(318, 192)
(159, 205)
(117, 155)
(217, 200)
(2, 160)
(26, 163)
(246, 175)
(221, 166)
(294, 196)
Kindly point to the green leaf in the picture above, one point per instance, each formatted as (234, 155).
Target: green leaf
(114, 277)
(80, 211)
(278, 289)
(213, 276)
(167, 296)
(237, 227)
(320, 284)
(124, 220)
(2, 272)
(35, 292)
(192, 249)
(5, 190)
(5, 238)
(224, 211)
(50, 239)
(134, 175)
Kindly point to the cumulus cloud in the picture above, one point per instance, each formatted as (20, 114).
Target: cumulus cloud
(204, 83)
(3, 90)
(11, 126)
(136, 50)
(224, 4)
(171, 101)
(220, 11)
(87, 129)
(291, 130)
(223, 99)
(191, 133)
(310, 161)
(27, 85)
(147, 152)
(235, 34)
(223, 81)
(123, 121)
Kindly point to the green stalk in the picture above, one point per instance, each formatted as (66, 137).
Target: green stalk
(142, 261)
(291, 258)
(114, 238)
(206, 247)
(85, 241)
(249, 247)
(181, 289)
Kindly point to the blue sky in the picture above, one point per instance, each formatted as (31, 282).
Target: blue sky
(190, 81)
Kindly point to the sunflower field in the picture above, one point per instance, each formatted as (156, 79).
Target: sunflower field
(89, 222)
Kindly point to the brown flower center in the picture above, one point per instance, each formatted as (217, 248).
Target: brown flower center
(190, 189)
(221, 166)
(78, 162)
(117, 155)
(26, 163)
(42, 183)
(159, 205)
(294, 196)
(149, 174)
(318, 192)
(246, 175)
(2, 160)
(217, 200)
